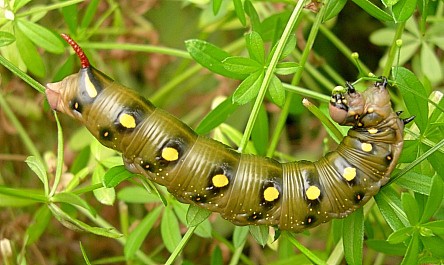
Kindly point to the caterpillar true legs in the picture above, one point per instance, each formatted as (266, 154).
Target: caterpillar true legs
(245, 189)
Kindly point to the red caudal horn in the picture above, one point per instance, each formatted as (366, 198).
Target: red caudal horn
(83, 59)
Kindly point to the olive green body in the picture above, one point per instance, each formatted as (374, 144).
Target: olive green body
(245, 189)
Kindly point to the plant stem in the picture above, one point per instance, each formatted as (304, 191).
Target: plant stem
(20, 130)
(393, 49)
(269, 73)
(296, 79)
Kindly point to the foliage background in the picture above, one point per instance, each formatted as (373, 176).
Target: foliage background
(142, 44)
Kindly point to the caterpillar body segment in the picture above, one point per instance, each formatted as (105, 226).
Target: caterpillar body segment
(245, 189)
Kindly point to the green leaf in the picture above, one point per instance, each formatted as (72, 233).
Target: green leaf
(254, 17)
(77, 225)
(373, 10)
(416, 182)
(277, 91)
(39, 224)
(333, 8)
(430, 64)
(414, 94)
(217, 116)
(81, 161)
(241, 65)
(90, 14)
(286, 68)
(435, 198)
(169, 228)
(115, 175)
(210, 57)
(255, 47)
(290, 45)
(248, 89)
(196, 215)
(403, 10)
(73, 199)
(19, 4)
(41, 36)
(70, 15)
(240, 234)
(136, 194)
(390, 206)
(216, 257)
(385, 247)
(138, 235)
(39, 169)
(6, 38)
(411, 256)
(401, 235)
(437, 227)
(104, 195)
(260, 132)
(216, 6)
(353, 238)
(239, 9)
(410, 208)
(85, 256)
(260, 233)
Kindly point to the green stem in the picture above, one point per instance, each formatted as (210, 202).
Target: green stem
(304, 57)
(122, 240)
(46, 8)
(59, 167)
(304, 250)
(181, 245)
(393, 50)
(269, 73)
(22, 75)
(29, 144)
(135, 47)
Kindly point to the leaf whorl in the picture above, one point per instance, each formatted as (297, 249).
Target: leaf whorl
(245, 189)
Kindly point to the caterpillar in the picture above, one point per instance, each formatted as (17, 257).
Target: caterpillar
(245, 189)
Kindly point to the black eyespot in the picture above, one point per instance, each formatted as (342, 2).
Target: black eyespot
(310, 220)
(106, 134)
(254, 217)
(76, 106)
(198, 198)
(359, 196)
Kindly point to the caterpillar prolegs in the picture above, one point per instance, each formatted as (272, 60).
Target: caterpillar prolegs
(245, 189)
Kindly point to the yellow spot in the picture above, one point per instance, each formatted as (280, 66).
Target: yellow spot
(313, 193)
(271, 194)
(220, 180)
(170, 154)
(372, 131)
(366, 147)
(370, 110)
(127, 121)
(349, 173)
(90, 89)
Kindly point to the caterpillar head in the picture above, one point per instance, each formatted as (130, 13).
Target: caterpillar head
(75, 91)
(366, 109)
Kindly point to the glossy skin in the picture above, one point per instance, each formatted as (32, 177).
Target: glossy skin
(245, 189)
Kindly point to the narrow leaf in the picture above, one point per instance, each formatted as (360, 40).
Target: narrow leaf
(373, 10)
(169, 229)
(354, 238)
(115, 175)
(196, 215)
(255, 47)
(41, 36)
(403, 10)
(217, 116)
(210, 57)
(435, 198)
(241, 65)
(248, 89)
(414, 94)
(277, 91)
(138, 235)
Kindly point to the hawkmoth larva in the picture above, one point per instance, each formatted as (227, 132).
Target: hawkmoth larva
(245, 189)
